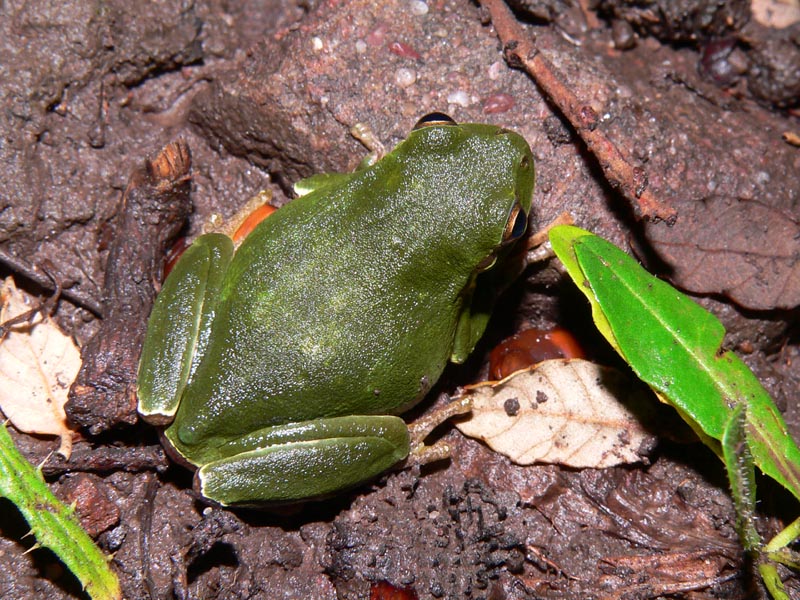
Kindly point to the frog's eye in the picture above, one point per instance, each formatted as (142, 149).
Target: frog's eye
(516, 225)
(435, 118)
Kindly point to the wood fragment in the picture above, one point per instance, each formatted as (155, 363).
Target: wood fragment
(154, 208)
(107, 459)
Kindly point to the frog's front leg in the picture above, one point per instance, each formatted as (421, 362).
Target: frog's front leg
(300, 461)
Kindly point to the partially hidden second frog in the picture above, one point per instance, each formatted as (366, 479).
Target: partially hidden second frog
(279, 368)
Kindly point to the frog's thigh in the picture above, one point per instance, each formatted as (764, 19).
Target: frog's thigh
(332, 455)
(182, 313)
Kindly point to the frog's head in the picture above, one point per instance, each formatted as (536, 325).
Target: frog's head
(466, 194)
(481, 178)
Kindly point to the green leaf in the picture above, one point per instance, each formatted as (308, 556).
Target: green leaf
(54, 524)
(674, 345)
(563, 238)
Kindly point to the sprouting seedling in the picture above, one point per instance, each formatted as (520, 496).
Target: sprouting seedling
(674, 345)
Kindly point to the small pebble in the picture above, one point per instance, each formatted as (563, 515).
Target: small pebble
(403, 50)
(622, 34)
(418, 8)
(498, 103)
(405, 77)
(511, 406)
(460, 97)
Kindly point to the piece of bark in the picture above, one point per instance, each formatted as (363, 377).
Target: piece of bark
(89, 495)
(107, 459)
(154, 208)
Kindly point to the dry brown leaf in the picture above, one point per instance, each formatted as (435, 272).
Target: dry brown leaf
(776, 13)
(37, 365)
(743, 249)
(564, 412)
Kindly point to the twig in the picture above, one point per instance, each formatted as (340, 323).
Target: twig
(46, 307)
(46, 282)
(520, 52)
(107, 459)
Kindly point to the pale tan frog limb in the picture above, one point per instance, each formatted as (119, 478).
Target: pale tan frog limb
(230, 227)
(420, 454)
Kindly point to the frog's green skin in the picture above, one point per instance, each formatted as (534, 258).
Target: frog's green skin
(281, 366)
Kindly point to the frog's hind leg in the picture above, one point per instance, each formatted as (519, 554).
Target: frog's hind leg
(182, 312)
(301, 461)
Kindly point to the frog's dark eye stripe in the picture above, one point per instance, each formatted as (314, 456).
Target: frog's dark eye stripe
(435, 118)
(516, 225)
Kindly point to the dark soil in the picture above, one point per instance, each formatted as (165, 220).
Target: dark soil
(704, 101)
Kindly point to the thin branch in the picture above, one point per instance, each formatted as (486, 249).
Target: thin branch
(46, 282)
(630, 180)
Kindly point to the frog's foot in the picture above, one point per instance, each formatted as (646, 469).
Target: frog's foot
(538, 248)
(421, 454)
(255, 210)
(364, 134)
(301, 461)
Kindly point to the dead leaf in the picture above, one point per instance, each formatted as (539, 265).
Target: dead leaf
(561, 411)
(776, 13)
(37, 365)
(743, 249)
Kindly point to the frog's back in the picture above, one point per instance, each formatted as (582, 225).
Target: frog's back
(346, 300)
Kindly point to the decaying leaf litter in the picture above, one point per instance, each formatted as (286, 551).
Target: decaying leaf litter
(38, 363)
(692, 137)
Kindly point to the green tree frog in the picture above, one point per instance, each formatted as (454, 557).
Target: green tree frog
(280, 367)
